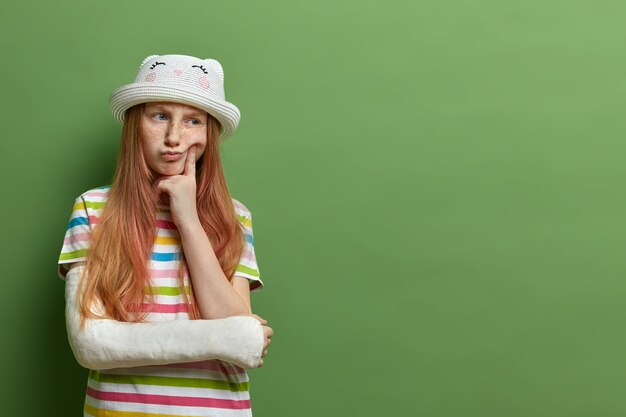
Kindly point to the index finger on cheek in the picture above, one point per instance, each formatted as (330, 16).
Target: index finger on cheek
(190, 163)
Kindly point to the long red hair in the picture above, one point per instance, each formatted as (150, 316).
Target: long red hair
(117, 269)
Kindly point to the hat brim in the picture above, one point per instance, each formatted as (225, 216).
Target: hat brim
(129, 95)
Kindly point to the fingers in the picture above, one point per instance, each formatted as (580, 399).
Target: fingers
(268, 332)
(161, 187)
(190, 162)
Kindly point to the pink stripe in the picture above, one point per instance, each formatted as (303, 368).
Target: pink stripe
(94, 219)
(164, 308)
(247, 254)
(164, 273)
(78, 237)
(238, 204)
(96, 194)
(168, 400)
(166, 225)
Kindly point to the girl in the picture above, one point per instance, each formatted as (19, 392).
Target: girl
(159, 266)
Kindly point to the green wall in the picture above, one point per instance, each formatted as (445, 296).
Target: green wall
(436, 187)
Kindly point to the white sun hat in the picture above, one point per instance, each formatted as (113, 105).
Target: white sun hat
(181, 79)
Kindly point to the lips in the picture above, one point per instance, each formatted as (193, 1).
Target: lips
(172, 156)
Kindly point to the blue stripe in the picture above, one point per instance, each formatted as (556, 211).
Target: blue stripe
(76, 221)
(249, 239)
(165, 257)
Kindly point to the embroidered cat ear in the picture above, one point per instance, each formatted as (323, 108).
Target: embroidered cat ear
(217, 67)
(147, 59)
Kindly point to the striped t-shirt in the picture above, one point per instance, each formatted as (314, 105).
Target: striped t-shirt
(206, 388)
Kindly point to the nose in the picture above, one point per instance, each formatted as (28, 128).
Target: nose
(173, 135)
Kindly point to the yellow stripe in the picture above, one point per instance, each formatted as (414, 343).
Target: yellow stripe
(98, 412)
(246, 221)
(167, 240)
(79, 206)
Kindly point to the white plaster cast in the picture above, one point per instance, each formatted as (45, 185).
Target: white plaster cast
(107, 344)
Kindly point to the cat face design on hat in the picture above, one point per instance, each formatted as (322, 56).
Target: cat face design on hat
(181, 79)
(204, 74)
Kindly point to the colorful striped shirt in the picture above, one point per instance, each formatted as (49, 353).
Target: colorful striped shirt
(206, 388)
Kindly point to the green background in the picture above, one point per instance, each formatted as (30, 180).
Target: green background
(436, 188)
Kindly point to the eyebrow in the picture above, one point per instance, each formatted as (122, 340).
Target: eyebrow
(161, 107)
(196, 113)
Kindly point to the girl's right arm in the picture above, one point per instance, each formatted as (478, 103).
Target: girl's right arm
(105, 343)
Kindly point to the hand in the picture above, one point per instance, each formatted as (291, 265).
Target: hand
(181, 191)
(267, 336)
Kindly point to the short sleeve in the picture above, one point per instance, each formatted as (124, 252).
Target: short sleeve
(77, 237)
(248, 267)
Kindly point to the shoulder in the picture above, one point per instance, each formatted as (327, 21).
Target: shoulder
(97, 195)
(91, 202)
(77, 240)
(243, 215)
(240, 209)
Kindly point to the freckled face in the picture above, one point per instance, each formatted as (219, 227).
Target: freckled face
(167, 131)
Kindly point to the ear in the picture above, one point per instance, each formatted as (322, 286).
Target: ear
(147, 59)
(217, 67)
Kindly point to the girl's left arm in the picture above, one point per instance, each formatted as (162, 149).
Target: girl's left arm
(215, 295)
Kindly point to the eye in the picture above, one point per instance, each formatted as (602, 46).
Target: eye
(201, 67)
(195, 122)
(159, 116)
(155, 64)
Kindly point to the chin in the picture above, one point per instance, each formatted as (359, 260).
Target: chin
(169, 172)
